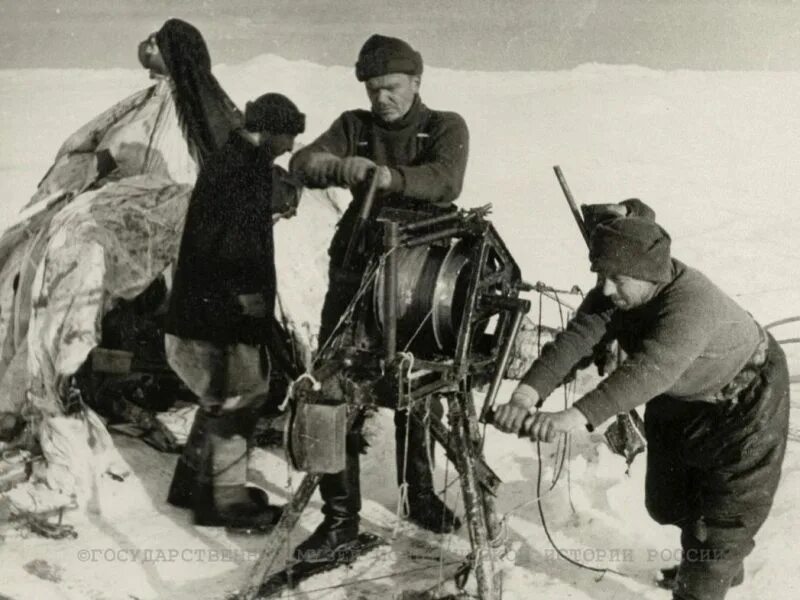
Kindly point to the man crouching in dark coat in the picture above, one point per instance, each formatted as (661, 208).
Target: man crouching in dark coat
(716, 389)
(221, 315)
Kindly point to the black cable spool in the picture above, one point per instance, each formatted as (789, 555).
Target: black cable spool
(432, 289)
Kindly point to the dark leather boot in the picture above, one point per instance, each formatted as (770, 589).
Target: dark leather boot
(240, 510)
(341, 494)
(425, 507)
(427, 510)
(669, 578)
(332, 537)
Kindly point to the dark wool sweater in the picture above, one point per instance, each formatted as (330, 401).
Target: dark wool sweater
(226, 249)
(687, 342)
(426, 151)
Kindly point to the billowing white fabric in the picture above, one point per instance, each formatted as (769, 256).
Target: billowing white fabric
(141, 133)
(149, 139)
(105, 245)
(63, 268)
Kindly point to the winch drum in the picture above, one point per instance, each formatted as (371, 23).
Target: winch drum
(432, 289)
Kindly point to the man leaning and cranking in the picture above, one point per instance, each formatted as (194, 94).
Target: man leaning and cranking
(715, 386)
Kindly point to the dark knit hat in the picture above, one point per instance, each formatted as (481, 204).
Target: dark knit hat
(274, 113)
(632, 246)
(594, 214)
(381, 55)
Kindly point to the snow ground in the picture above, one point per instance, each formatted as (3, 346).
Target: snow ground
(715, 154)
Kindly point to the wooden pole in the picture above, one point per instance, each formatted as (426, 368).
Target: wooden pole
(572, 206)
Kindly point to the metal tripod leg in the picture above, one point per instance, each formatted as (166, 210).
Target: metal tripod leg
(487, 479)
(276, 541)
(475, 506)
(492, 523)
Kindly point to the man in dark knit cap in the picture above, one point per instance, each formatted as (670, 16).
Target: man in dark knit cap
(419, 156)
(220, 323)
(715, 386)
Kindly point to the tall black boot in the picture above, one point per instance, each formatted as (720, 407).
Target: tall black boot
(189, 486)
(425, 507)
(669, 578)
(341, 494)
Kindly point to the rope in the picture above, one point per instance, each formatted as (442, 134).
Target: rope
(449, 538)
(427, 434)
(601, 570)
(539, 330)
(569, 390)
(552, 293)
(793, 378)
(403, 508)
(419, 328)
(782, 322)
(512, 510)
(316, 386)
(302, 594)
(507, 514)
(366, 281)
(426, 423)
(566, 449)
(542, 287)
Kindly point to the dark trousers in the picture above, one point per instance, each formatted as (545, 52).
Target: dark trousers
(341, 492)
(233, 383)
(713, 469)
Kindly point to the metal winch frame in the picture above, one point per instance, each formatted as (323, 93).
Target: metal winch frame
(367, 368)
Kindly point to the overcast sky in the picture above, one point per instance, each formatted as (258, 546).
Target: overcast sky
(465, 34)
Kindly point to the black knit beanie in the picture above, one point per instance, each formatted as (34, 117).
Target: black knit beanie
(632, 246)
(381, 55)
(274, 113)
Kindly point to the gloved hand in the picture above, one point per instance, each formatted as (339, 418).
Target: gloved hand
(354, 170)
(285, 194)
(320, 169)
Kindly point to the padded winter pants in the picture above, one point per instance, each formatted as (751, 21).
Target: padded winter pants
(713, 469)
(232, 384)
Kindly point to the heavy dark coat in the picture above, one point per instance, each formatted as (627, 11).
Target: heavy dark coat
(226, 250)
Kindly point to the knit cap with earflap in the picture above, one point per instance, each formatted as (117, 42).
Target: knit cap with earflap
(633, 246)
